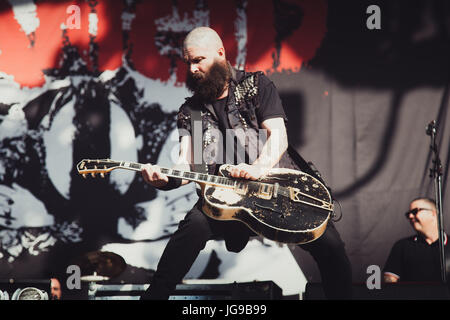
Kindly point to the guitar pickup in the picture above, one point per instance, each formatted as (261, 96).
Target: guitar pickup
(241, 187)
(265, 191)
(275, 189)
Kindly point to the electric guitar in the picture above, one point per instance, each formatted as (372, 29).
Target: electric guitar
(284, 205)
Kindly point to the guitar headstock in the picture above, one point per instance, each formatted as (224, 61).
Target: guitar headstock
(94, 166)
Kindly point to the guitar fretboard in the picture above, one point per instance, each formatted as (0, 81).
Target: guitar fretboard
(187, 175)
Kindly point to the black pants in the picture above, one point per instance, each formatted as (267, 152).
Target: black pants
(196, 229)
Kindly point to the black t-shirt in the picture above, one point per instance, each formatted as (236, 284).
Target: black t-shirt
(219, 108)
(270, 105)
(413, 259)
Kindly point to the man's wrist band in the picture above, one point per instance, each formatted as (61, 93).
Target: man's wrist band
(172, 184)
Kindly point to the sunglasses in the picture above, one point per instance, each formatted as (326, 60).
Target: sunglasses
(415, 211)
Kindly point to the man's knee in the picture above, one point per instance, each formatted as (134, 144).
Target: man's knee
(195, 225)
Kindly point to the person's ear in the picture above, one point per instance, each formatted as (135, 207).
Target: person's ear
(434, 212)
(221, 52)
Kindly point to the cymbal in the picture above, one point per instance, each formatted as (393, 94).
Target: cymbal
(101, 263)
(94, 278)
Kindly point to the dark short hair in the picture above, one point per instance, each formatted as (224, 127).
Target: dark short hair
(426, 199)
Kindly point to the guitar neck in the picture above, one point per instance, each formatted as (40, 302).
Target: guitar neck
(181, 174)
(264, 189)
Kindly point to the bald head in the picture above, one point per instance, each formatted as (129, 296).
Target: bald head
(201, 49)
(203, 37)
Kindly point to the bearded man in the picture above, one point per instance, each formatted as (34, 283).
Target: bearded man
(241, 105)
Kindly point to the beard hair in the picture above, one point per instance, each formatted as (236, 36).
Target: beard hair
(210, 86)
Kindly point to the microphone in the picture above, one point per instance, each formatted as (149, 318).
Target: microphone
(431, 128)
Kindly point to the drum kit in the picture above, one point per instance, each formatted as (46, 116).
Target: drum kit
(99, 266)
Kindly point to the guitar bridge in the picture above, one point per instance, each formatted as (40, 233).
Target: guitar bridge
(294, 194)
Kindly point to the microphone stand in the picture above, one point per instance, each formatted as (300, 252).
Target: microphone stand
(436, 173)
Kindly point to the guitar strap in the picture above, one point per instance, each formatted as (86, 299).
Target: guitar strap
(197, 146)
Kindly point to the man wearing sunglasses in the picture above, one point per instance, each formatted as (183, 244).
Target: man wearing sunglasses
(416, 258)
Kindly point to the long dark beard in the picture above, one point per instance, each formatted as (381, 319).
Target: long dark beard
(212, 85)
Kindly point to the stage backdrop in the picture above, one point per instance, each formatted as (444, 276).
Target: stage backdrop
(104, 79)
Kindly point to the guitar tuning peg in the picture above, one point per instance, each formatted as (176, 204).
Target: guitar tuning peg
(84, 175)
(102, 175)
(93, 174)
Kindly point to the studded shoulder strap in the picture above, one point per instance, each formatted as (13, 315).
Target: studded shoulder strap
(247, 88)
